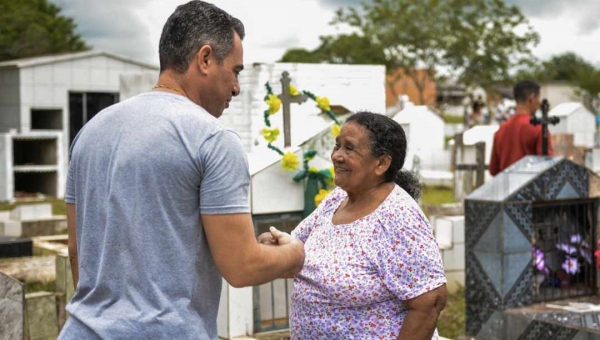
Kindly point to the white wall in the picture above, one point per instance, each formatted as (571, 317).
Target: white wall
(273, 190)
(47, 87)
(450, 235)
(7, 180)
(580, 122)
(425, 136)
(235, 318)
(357, 87)
(558, 93)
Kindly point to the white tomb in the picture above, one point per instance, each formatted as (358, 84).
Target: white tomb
(424, 131)
(575, 119)
(44, 101)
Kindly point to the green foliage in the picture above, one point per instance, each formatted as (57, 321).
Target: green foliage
(59, 207)
(343, 49)
(31, 28)
(476, 39)
(437, 195)
(571, 68)
(453, 119)
(452, 323)
(37, 286)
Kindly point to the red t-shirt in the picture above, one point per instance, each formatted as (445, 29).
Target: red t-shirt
(515, 139)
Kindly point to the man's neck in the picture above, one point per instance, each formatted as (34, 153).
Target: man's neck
(522, 110)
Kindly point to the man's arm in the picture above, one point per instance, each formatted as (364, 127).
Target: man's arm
(241, 259)
(494, 161)
(72, 227)
(423, 313)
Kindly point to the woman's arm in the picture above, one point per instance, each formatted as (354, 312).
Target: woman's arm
(423, 313)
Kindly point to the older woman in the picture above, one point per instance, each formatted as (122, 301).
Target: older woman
(373, 269)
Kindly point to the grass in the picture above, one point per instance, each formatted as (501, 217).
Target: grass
(59, 207)
(437, 195)
(452, 119)
(32, 287)
(451, 323)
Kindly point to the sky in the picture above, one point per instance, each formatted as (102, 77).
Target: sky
(132, 27)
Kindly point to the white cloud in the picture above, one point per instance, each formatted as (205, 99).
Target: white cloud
(563, 34)
(133, 27)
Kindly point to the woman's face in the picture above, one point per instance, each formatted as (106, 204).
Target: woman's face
(354, 166)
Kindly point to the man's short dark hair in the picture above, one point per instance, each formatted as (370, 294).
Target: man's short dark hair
(524, 89)
(192, 26)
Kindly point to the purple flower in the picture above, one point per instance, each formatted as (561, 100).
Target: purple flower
(571, 265)
(567, 248)
(539, 260)
(586, 255)
(575, 239)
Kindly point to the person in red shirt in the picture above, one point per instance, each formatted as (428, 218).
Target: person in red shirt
(517, 137)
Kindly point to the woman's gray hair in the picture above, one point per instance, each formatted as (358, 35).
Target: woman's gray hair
(192, 26)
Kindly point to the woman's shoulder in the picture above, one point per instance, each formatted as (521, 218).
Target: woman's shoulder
(334, 198)
(400, 209)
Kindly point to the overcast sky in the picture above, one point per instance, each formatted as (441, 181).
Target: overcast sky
(132, 27)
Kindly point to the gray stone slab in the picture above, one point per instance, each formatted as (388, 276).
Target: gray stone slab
(12, 308)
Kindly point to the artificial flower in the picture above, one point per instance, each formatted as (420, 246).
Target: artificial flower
(270, 135)
(321, 195)
(571, 265)
(335, 130)
(323, 103)
(290, 161)
(294, 91)
(567, 248)
(539, 260)
(313, 170)
(274, 103)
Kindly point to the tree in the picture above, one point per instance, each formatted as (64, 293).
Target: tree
(35, 27)
(571, 68)
(475, 40)
(343, 49)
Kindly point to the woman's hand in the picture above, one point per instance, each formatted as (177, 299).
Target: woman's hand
(267, 239)
(275, 237)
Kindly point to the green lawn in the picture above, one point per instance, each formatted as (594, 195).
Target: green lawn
(58, 205)
(452, 119)
(32, 287)
(451, 323)
(437, 195)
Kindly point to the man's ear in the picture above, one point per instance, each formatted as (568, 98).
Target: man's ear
(204, 58)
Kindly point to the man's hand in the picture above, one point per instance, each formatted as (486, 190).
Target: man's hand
(267, 238)
(276, 237)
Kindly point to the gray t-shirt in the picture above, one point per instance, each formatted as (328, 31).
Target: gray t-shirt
(141, 173)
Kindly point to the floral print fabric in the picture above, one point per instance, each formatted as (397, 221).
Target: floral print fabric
(356, 275)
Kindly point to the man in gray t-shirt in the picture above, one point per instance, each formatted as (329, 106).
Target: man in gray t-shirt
(157, 197)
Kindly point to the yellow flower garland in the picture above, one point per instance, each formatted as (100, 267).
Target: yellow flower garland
(290, 161)
(294, 91)
(274, 103)
(321, 195)
(335, 130)
(323, 103)
(270, 135)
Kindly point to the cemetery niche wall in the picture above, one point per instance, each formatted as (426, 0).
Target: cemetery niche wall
(530, 236)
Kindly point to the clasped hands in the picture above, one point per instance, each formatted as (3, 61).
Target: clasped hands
(275, 237)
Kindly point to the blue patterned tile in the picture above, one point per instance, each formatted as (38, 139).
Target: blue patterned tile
(512, 266)
(514, 239)
(491, 240)
(491, 263)
(567, 192)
